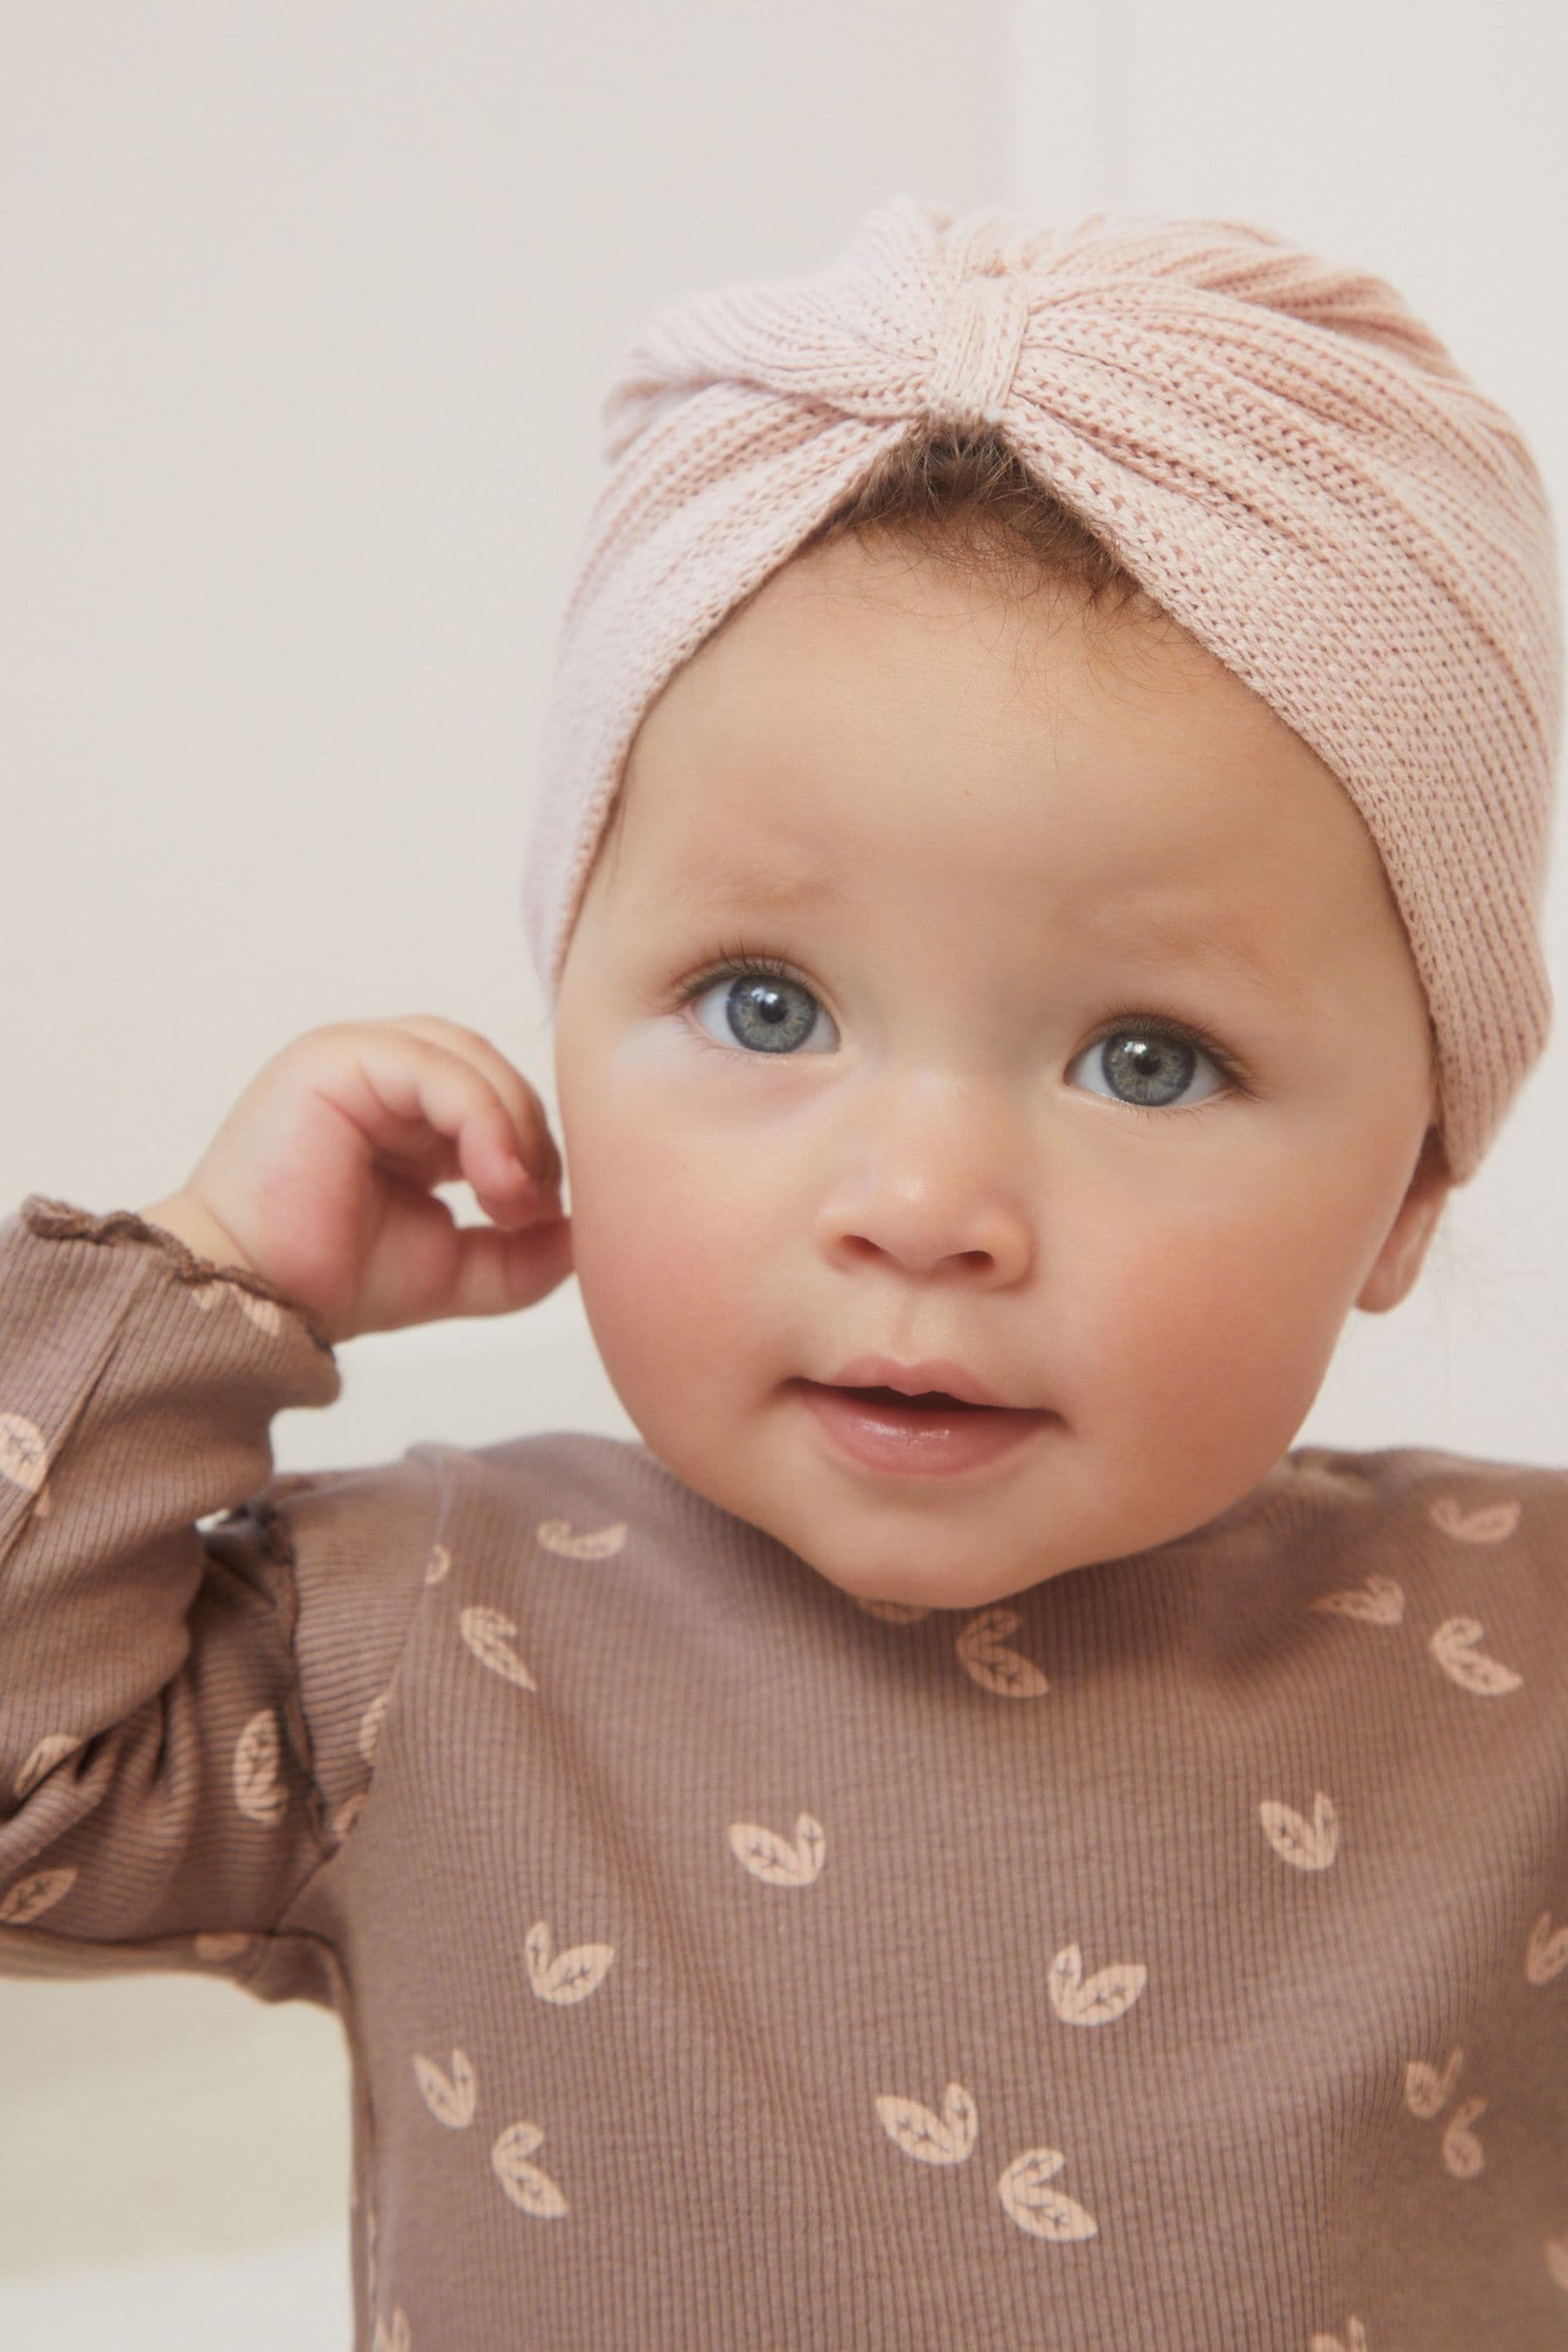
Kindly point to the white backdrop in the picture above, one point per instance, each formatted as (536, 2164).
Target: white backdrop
(309, 308)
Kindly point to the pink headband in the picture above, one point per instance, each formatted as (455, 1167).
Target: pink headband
(1284, 457)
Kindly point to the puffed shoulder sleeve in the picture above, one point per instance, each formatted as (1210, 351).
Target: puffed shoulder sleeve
(191, 1650)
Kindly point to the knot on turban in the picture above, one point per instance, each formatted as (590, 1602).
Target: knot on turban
(1281, 453)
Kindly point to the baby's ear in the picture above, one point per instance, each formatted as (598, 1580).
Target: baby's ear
(1408, 1239)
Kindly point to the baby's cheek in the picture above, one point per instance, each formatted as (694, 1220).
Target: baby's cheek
(1220, 1335)
(662, 1263)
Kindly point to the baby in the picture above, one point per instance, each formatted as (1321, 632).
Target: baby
(962, 1838)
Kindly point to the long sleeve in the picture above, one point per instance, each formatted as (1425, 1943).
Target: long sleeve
(188, 1647)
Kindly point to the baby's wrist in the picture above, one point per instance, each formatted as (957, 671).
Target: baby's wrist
(200, 1231)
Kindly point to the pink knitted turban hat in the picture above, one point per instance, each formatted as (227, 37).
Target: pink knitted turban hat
(1274, 448)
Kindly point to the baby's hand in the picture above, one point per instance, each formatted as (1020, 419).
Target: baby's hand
(320, 1179)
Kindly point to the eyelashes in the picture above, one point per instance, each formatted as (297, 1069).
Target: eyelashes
(735, 961)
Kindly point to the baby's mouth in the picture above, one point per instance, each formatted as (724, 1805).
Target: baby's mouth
(929, 1399)
(889, 1432)
(928, 1408)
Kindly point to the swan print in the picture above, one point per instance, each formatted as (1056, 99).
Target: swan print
(1379, 1600)
(348, 1812)
(258, 1789)
(370, 1725)
(1491, 1524)
(489, 1635)
(531, 2190)
(572, 1975)
(1427, 2094)
(1107, 1995)
(599, 1543)
(50, 1751)
(1453, 1646)
(1307, 1844)
(984, 1654)
(944, 2138)
(265, 1313)
(1426, 2090)
(772, 1858)
(221, 1944)
(450, 2101)
(948, 2138)
(28, 1898)
(1043, 2212)
(982, 1648)
(24, 1458)
(453, 2100)
(1353, 2340)
(892, 1613)
(1546, 1955)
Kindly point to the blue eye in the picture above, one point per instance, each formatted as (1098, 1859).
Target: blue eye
(1155, 1062)
(766, 1009)
(1147, 1062)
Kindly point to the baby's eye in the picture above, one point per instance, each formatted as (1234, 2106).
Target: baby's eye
(762, 1007)
(1149, 1066)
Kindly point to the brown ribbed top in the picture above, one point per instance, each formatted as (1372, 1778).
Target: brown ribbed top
(1172, 1956)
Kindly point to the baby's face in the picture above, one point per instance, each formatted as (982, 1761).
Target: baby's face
(1027, 894)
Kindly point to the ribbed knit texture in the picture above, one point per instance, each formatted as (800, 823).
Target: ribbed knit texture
(1172, 1959)
(1278, 449)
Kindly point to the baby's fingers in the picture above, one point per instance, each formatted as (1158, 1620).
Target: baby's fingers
(428, 1267)
(489, 1161)
(529, 1128)
(426, 1113)
(496, 1273)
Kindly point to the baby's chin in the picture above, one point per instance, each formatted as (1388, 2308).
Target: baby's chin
(903, 1597)
(905, 1586)
(899, 1555)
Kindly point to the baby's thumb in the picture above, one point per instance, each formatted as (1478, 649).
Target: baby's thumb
(427, 1267)
(498, 1273)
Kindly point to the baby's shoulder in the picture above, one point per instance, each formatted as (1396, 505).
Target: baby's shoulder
(1430, 1496)
(572, 1480)
(1394, 1470)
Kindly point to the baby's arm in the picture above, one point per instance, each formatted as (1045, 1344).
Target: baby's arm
(155, 1769)
(188, 1702)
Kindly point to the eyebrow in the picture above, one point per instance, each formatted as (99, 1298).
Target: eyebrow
(1174, 936)
(706, 883)
(710, 882)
